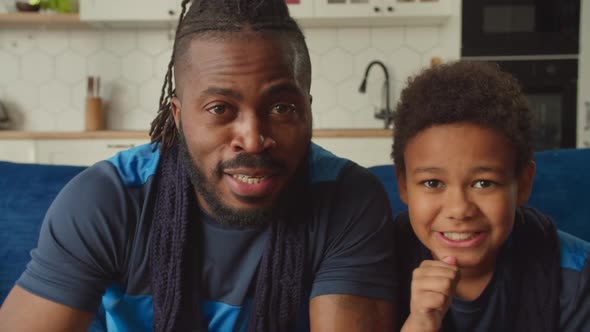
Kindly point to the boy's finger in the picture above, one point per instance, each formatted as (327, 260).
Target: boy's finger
(450, 260)
(427, 263)
(443, 286)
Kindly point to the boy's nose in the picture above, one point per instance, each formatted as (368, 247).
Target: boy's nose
(459, 205)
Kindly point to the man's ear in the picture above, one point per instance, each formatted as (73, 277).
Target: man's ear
(175, 105)
(402, 187)
(525, 183)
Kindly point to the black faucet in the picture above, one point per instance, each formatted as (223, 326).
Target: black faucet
(385, 114)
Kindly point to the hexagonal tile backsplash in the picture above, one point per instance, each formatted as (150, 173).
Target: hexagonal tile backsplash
(43, 72)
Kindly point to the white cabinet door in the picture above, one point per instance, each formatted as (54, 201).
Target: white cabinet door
(300, 8)
(386, 12)
(129, 10)
(81, 152)
(348, 8)
(416, 11)
(584, 78)
(366, 152)
(17, 151)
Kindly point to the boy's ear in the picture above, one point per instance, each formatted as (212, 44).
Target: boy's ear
(402, 186)
(525, 183)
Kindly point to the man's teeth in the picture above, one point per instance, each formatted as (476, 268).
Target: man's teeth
(458, 236)
(249, 179)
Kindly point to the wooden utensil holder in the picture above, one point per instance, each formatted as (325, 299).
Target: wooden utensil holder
(95, 119)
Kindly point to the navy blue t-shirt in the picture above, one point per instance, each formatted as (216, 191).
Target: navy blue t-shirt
(94, 244)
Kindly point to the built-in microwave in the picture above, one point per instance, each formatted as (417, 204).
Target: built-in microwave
(520, 27)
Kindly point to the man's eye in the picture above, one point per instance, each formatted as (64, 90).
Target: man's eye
(283, 109)
(432, 184)
(481, 184)
(217, 109)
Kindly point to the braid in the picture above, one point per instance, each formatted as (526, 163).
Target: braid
(163, 128)
(217, 18)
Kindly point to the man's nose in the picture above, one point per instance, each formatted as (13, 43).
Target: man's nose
(459, 205)
(251, 135)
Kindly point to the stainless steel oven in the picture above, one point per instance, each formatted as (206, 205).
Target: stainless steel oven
(520, 27)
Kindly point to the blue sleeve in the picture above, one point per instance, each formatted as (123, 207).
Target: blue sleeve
(81, 241)
(575, 283)
(356, 257)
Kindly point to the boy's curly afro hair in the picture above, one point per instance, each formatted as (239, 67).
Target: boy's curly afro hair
(464, 91)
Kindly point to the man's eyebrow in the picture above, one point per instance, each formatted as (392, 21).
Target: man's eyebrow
(288, 87)
(213, 90)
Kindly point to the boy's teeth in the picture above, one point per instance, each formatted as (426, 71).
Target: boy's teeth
(458, 236)
(248, 179)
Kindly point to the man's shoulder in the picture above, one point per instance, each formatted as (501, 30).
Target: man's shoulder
(136, 165)
(574, 252)
(326, 167)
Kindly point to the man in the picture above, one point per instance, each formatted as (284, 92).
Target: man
(231, 220)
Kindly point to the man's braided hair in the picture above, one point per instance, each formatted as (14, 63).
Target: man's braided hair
(218, 19)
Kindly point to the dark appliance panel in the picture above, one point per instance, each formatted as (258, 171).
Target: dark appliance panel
(550, 86)
(520, 27)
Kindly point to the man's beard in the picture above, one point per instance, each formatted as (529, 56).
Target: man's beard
(251, 218)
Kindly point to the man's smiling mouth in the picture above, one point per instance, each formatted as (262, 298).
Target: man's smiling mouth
(249, 179)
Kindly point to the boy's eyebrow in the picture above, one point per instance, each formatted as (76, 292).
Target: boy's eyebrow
(419, 170)
(488, 169)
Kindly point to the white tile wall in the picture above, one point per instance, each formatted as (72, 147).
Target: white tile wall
(43, 70)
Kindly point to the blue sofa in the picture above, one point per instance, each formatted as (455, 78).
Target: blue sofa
(26, 191)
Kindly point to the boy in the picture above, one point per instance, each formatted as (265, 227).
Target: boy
(470, 257)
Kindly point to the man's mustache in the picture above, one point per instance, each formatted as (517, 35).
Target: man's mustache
(247, 160)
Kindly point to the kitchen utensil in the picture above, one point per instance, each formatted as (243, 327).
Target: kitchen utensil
(5, 121)
(95, 119)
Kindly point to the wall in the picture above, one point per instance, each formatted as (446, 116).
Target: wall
(43, 71)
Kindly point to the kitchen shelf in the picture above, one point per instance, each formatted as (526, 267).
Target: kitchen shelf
(109, 134)
(40, 19)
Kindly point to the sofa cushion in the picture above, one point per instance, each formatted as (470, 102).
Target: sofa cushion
(27, 191)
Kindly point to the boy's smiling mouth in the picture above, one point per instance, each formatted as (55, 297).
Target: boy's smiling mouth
(460, 239)
(458, 236)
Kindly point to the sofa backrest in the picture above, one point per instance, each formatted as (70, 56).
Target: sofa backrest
(27, 190)
(561, 188)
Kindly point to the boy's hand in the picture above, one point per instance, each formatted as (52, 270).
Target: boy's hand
(433, 286)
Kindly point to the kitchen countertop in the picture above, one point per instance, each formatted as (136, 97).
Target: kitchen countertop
(108, 134)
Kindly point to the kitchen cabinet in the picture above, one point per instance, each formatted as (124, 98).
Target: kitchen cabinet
(309, 13)
(386, 11)
(584, 78)
(300, 9)
(365, 147)
(81, 152)
(17, 151)
(129, 10)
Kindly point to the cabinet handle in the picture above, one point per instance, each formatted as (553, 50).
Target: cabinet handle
(171, 12)
(120, 146)
(390, 9)
(377, 9)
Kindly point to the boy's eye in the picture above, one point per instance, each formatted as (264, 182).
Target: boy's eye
(218, 109)
(283, 109)
(432, 184)
(482, 184)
